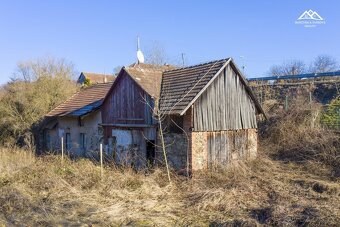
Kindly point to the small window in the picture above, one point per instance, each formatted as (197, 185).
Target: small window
(82, 141)
(68, 141)
(80, 122)
(48, 140)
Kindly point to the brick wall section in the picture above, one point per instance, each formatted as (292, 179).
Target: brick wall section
(199, 150)
(222, 147)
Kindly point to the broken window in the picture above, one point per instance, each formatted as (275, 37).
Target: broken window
(174, 124)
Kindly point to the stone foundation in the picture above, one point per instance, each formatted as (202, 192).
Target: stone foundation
(176, 149)
(208, 149)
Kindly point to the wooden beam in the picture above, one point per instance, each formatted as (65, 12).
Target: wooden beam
(130, 119)
(129, 125)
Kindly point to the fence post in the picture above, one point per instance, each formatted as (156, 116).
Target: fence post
(62, 149)
(339, 119)
(286, 103)
(101, 160)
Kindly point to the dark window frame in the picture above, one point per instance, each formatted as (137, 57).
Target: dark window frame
(68, 141)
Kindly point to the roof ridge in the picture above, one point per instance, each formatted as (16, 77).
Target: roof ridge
(94, 85)
(199, 64)
(98, 73)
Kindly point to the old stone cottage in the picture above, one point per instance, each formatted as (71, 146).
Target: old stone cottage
(77, 120)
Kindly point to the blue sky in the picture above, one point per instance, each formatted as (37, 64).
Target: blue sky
(98, 35)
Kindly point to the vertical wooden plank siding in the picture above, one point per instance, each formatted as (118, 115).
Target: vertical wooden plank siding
(225, 105)
(126, 104)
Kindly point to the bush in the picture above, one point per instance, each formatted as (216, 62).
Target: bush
(38, 87)
(296, 135)
(331, 115)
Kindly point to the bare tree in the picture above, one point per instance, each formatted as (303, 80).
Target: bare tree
(292, 67)
(116, 70)
(155, 54)
(32, 70)
(323, 63)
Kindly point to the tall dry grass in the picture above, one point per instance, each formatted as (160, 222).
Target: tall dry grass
(44, 192)
(14, 159)
(297, 136)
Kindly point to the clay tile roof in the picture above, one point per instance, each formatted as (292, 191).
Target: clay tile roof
(96, 78)
(180, 86)
(148, 76)
(85, 101)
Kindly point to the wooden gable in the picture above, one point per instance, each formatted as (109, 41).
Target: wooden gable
(225, 104)
(126, 103)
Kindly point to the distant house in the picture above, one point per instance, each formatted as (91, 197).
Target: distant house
(210, 115)
(77, 120)
(95, 78)
(130, 130)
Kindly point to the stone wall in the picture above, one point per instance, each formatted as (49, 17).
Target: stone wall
(178, 146)
(90, 128)
(320, 91)
(176, 149)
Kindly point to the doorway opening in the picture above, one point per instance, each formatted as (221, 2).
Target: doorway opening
(150, 152)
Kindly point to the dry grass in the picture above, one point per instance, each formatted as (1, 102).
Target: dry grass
(297, 136)
(15, 160)
(40, 191)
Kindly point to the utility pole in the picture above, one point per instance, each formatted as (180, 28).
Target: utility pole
(183, 59)
(243, 64)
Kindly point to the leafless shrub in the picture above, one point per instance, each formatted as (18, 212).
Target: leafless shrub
(323, 63)
(292, 67)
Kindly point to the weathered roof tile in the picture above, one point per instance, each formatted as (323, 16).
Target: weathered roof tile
(86, 100)
(180, 86)
(148, 76)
